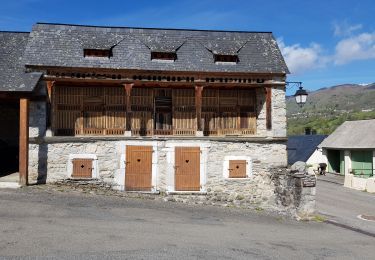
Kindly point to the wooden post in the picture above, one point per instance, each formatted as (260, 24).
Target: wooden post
(128, 88)
(50, 109)
(198, 106)
(269, 108)
(24, 142)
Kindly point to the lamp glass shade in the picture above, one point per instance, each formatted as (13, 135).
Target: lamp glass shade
(301, 96)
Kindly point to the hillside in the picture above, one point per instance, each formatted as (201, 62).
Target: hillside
(327, 108)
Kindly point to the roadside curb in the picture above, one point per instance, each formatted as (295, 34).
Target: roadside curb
(9, 185)
(358, 230)
(334, 182)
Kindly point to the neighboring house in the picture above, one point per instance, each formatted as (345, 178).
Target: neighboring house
(305, 148)
(350, 150)
(152, 110)
(15, 84)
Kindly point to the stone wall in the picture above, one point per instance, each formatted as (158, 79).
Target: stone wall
(37, 118)
(269, 185)
(278, 112)
(49, 162)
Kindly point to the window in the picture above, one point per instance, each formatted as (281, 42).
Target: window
(99, 53)
(229, 112)
(237, 167)
(82, 168)
(165, 56)
(163, 111)
(219, 58)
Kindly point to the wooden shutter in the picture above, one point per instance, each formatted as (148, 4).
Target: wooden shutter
(138, 173)
(187, 169)
(82, 168)
(237, 169)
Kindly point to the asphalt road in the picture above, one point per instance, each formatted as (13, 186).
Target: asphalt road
(343, 205)
(65, 225)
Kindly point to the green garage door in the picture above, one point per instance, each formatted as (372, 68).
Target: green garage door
(362, 163)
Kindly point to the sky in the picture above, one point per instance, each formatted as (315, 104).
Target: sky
(324, 42)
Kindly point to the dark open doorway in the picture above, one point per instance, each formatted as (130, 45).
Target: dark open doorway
(9, 136)
(336, 162)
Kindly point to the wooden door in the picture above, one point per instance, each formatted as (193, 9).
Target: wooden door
(82, 168)
(187, 169)
(237, 169)
(138, 173)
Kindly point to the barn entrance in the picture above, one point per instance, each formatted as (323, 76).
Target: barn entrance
(9, 139)
(187, 169)
(336, 163)
(138, 175)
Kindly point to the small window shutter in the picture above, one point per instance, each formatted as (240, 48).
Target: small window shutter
(237, 169)
(82, 168)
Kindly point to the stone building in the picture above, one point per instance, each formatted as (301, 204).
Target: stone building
(350, 151)
(184, 112)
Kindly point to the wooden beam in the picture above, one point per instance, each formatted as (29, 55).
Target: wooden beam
(50, 85)
(198, 106)
(128, 88)
(24, 142)
(269, 108)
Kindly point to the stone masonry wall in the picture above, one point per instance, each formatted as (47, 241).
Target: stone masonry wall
(278, 112)
(37, 118)
(49, 163)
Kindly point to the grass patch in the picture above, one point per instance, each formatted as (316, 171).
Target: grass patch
(318, 218)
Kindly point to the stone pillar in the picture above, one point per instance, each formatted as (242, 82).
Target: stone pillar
(347, 162)
(348, 177)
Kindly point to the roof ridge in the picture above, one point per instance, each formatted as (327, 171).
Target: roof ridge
(151, 28)
(14, 32)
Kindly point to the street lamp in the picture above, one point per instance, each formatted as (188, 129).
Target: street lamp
(301, 96)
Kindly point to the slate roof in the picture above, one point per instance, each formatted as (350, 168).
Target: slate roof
(12, 70)
(301, 147)
(62, 45)
(352, 135)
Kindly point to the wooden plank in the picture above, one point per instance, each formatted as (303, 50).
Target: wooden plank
(198, 106)
(138, 175)
(50, 108)
(128, 88)
(24, 141)
(187, 168)
(237, 169)
(269, 108)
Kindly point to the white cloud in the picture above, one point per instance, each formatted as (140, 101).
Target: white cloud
(345, 29)
(300, 59)
(359, 47)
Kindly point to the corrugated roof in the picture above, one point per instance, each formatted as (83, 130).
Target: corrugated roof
(352, 135)
(301, 147)
(12, 70)
(62, 45)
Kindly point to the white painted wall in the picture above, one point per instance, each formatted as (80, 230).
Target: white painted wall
(317, 157)
(347, 161)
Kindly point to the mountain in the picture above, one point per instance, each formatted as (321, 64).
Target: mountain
(327, 108)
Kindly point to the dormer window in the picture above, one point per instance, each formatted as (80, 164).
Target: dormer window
(226, 59)
(97, 53)
(163, 56)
